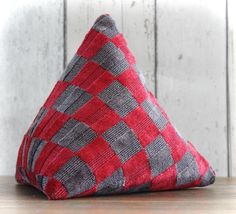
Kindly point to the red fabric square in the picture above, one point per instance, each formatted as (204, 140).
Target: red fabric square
(44, 122)
(25, 150)
(137, 170)
(96, 153)
(55, 160)
(130, 79)
(97, 115)
(89, 109)
(165, 180)
(44, 154)
(92, 43)
(56, 121)
(138, 120)
(120, 42)
(107, 169)
(101, 83)
(88, 74)
(175, 142)
(54, 189)
(142, 125)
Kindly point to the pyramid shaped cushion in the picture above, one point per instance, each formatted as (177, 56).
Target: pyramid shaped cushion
(101, 131)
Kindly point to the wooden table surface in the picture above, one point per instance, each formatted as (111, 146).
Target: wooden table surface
(217, 198)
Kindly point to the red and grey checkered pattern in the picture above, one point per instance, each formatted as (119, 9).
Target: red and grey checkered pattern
(101, 131)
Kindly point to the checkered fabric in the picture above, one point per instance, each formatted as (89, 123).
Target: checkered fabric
(101, 131)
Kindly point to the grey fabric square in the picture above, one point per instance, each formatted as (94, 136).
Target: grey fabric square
(76, 176)
(42, 181)
(37, 153)
(142, 188)
(42, 112)
(155, 114)
(106, 26)
(208, 178)
(114, 133)
(118, 98)
(74, 135)
(68, 126)
(114, 65)
(73, 68)
(111, 58)
(24, 175)
(187, 170)
(71, 99)
(63, 96)
(159, 156)
(35, 148)
(112, 184)
(106, 51)
(123, 141)
(78, 103)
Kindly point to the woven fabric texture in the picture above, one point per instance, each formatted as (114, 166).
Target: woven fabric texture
(101, 131)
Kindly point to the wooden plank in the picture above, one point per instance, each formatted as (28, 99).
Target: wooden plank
(80, 16)
(31, 60)
(138, 29)
(217, 198)
(191, 75)
(232, 83)
(133, 18)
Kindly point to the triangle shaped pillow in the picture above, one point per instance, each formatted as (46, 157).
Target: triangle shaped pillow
(101, 131)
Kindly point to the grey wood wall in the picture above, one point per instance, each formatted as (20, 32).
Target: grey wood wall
(31, 60)
(184, 47)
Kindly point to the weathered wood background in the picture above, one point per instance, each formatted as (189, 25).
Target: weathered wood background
(186, 49)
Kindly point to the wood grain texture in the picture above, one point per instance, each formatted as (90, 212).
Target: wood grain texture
(218, 198)
(133, 18)
(31, 60)
(80, 16)
(138, 29)
(232, 83)
(191, 73)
